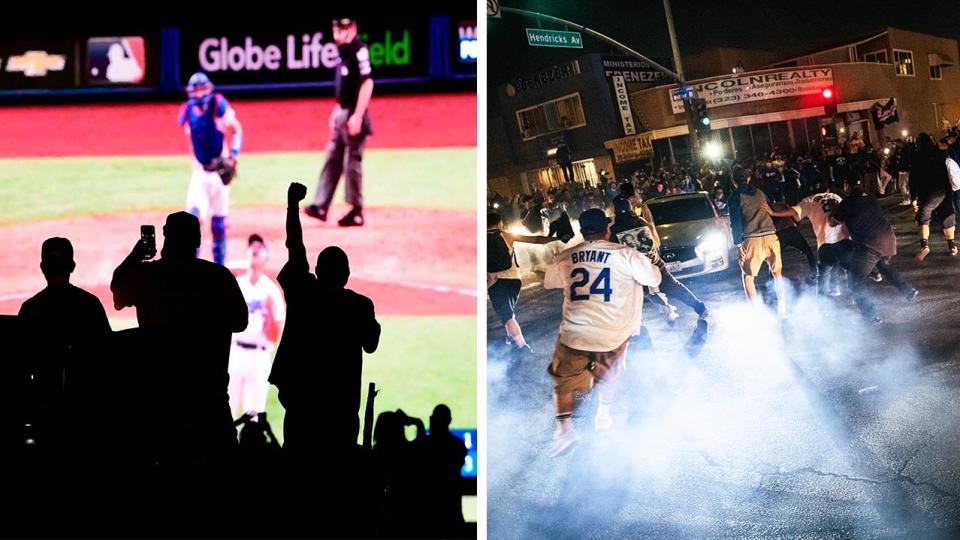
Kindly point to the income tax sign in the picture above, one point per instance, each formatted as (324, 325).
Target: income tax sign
(757, 87)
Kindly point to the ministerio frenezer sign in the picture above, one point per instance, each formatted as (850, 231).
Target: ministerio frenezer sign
(757, 87)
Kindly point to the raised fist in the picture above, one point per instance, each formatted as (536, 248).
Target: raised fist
(296, 192)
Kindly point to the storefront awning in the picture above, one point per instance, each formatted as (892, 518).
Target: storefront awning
(940, 60)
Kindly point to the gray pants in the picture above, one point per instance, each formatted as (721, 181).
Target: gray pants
(343, 150)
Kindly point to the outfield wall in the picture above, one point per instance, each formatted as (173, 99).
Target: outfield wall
(405, 51)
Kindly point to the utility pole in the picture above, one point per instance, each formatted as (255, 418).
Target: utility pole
(678, 65)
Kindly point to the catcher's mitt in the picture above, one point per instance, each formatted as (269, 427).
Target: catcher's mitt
(226, 168)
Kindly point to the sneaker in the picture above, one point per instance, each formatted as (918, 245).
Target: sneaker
(922, 254)
(672, 315)
(315, 211)
(699, 335)
(953, 249)
(877, 320)
(876, 277)
(834, 291)
(912, 295)
(354, 218)
(562, 441)
(602, 422)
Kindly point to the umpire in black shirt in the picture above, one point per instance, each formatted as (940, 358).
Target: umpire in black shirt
(349, 126)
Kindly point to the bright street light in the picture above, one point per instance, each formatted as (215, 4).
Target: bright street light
(712, 151)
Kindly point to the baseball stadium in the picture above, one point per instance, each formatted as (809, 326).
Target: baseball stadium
(90, 155)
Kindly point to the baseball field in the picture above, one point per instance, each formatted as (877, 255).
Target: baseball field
(95, 173)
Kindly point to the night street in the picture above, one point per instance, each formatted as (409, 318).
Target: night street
(822, 426)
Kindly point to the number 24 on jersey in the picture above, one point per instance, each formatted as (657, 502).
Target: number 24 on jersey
(600, 285)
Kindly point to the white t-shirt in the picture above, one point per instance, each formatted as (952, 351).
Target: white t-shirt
(953, 171)
(812, 210)
(256, 295)
(603, 297)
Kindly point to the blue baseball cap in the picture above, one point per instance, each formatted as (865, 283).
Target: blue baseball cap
(197, 80)
(593, 221)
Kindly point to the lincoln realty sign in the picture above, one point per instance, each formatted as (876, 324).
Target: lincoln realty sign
(757, 87)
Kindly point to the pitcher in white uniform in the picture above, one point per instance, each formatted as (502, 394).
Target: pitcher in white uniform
(251, 354)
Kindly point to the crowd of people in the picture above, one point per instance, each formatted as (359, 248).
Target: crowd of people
(834, 187)
(132, 433)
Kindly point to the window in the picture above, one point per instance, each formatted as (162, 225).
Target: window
(903, 61)
(878, 57)
(935, 73)
(555, 115)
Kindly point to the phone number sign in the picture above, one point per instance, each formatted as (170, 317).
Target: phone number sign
(757, 87)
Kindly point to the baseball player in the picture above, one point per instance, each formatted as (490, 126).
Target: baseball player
(216, 136)
(252, 351)
(349, 126)
(602, 284)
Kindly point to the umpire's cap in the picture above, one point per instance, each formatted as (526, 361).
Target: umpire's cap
(56, 256)
(198, 80)
(593, 221)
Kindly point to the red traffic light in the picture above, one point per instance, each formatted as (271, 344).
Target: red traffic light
(827, 93)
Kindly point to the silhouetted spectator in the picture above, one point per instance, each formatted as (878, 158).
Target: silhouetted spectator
(188, 309)
(398, 462)
(320, 357)
(444, 454)
(64, 326)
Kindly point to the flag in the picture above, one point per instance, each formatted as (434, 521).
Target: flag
(884, 114)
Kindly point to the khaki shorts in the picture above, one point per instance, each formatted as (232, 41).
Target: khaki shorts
(756, 250)
(575, 370)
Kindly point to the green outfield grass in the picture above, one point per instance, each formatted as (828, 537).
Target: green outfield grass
(421, 361)
(34, 189)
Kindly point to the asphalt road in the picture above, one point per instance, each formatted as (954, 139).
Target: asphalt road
(819, 427)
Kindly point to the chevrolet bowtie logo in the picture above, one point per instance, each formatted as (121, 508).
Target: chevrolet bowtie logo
(36, 63)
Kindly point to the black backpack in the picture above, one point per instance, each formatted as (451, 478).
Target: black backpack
(499, 257)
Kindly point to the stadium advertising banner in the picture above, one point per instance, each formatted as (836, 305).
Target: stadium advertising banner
(757, 87)
(303, 54)
(116, 61)
(47, 64)
(80, 62)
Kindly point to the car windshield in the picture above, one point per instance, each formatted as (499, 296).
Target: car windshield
(680, 210)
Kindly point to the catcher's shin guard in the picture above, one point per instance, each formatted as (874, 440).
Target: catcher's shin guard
(218, 226)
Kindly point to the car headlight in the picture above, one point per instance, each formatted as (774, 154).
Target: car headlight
(712, 243)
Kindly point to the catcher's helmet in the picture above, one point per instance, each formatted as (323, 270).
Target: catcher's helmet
(198, 80)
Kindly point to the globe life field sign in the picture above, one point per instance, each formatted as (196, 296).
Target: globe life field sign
(307, 55)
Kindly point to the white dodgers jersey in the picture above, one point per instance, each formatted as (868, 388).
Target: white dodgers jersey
(256, 295)
(603, 297)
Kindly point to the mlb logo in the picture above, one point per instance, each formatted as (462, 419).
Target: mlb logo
(116, 60)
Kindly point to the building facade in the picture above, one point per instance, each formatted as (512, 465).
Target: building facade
(780, 105)
(581, 103)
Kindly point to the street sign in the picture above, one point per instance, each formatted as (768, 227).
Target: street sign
(684, 93)
(554, 38)
(493, 9)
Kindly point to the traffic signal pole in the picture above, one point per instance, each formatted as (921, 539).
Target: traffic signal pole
(692, 139)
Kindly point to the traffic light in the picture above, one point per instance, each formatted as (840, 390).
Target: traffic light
(829, 101)
(701, 118)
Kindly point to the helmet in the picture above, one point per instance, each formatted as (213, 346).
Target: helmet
(198, 80)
